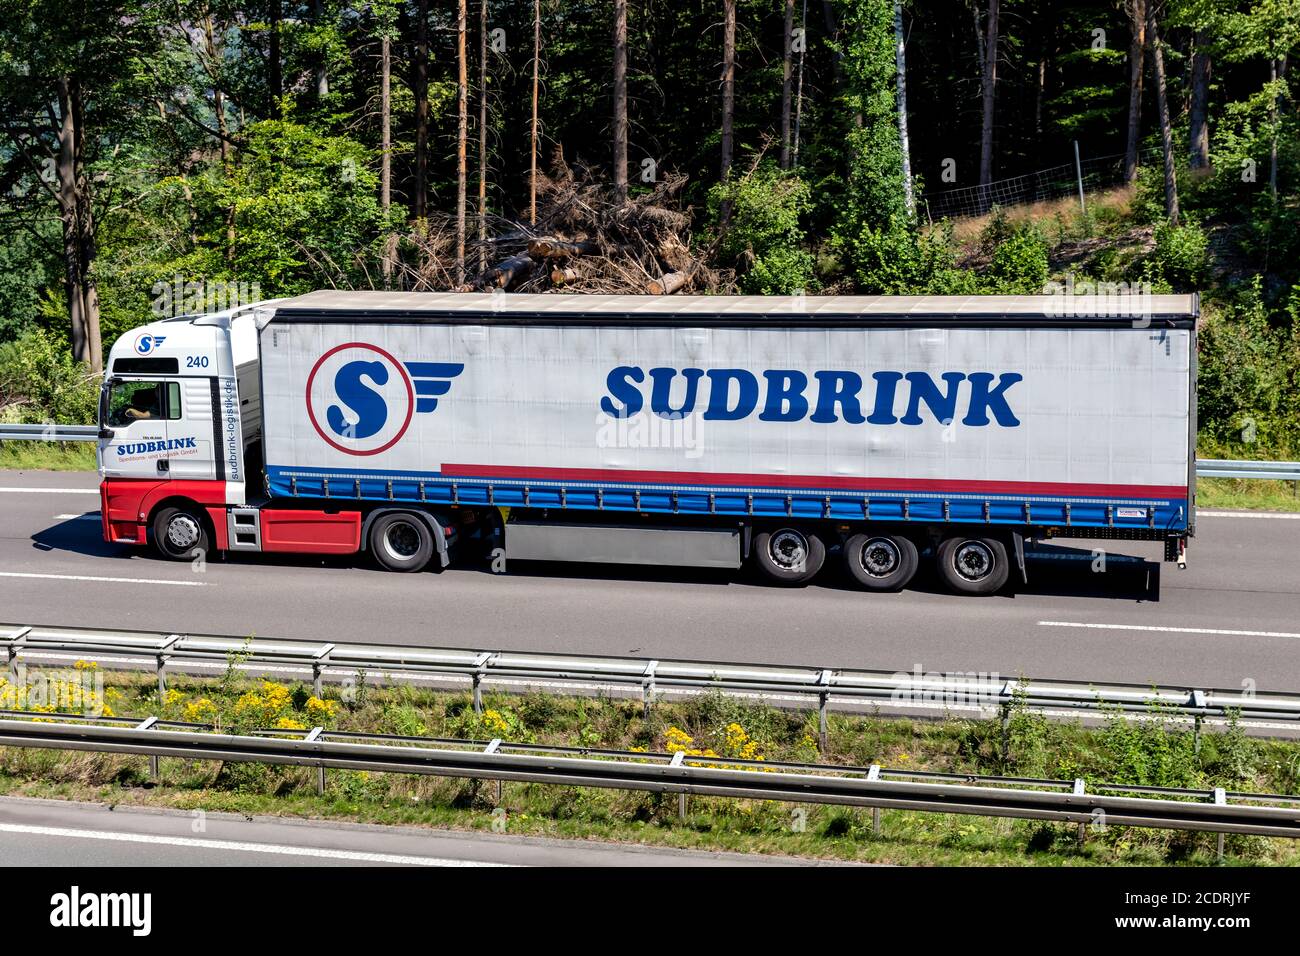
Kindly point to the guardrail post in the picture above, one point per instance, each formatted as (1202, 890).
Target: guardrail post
(873, 773)
(1082, 832)
(320, 768)
(648, 689)
(1220, 798)
(154, 773)
(678, 761)
(161, 659)
(317, 666)
(1196, 699)
(491, 748)
(823, 733)
(15, 643)
(480, 669)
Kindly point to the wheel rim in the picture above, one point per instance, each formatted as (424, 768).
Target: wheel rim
(973, 560)
(788, 550)
(182, 533)
(880, 557)
(402, 540)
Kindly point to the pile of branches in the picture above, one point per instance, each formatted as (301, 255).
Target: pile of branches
(584, 240)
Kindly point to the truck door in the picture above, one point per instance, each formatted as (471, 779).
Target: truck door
(147, 434)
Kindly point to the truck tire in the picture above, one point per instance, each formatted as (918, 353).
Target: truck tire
(401, 542)
(789, 556)
(970, 565)
(179, 534)
(881, 562)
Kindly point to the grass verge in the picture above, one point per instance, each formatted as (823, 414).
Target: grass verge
(1152, 751)
(47, 456)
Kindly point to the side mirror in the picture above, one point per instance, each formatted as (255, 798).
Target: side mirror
(106, 434)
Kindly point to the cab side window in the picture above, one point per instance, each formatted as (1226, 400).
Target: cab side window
(144, 401)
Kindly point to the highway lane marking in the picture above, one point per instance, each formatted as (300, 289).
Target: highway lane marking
(242, 847)
(1285, 515)
(91, 577)
(51, 491)
(1168, 630)
(88, 516)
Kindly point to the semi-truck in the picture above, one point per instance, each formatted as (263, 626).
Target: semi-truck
(690, 431)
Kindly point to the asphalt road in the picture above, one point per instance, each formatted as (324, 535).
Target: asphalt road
(61, 833)
(1232, 616)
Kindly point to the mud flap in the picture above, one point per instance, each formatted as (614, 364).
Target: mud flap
(1018, 543)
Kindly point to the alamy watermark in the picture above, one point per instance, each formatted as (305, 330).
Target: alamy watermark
(1088, 299)
(181, 297)
(674, 431)
(948, 688)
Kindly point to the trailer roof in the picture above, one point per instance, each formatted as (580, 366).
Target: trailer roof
(333, 305)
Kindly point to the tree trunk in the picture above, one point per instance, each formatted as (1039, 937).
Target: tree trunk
(78, 230)
(1277, 71)
(1198, 111)
(798, 88)
(274, 75)
(620, 100)
(900, 66)
(1162, 101)
(482, 133)
(386, 141)
(420, 90)
(728, 97)
(322, 74)
(787, 81)
(537, 65)
(223, 133)
(988, 83)
(1136, 55)
(462, 133)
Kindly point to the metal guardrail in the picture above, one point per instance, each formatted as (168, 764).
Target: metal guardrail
(1216, 811)
(1205, 467)
(321, 661)
(1225, 468)
(49, 432)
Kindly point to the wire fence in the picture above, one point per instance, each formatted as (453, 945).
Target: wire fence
(1055, 182)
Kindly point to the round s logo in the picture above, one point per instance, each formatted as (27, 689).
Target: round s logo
(146, 343)
(360, 399)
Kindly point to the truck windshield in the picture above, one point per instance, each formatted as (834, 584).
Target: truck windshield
(140, 401)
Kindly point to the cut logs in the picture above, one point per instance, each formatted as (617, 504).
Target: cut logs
(549, 247)
(668, 284)
(509, 272)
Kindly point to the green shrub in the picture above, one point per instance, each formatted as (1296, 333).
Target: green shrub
(40, 381)
(1181, 256)
(764, 235)
(1019, 265)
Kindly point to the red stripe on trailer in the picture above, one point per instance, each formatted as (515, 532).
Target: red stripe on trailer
(841, 482)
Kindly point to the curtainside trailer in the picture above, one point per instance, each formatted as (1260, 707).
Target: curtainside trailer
(698, 431)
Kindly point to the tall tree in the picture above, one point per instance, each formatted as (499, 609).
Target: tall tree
(384, 14)
(988, 84)
(620, 100)
(482, 133)
(1162, 102)
(462, 133)
(274, 63)
(420, 90)
(900, 65)
(1198, 111)
(532, 126)
(728, 97)
(1136, 10)
(787, 82)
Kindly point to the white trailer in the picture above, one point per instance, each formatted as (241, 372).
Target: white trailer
(695, 431)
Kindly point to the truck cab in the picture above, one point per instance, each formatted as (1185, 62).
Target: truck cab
(179, 418)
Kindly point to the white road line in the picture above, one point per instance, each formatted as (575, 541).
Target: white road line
(89, 516)
(1286, 515)
(90, 577)
(52, 491)
(242, 847)
(1168, 630)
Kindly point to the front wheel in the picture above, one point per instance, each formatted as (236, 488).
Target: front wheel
(880, 562)
(401, 542)
(789, 556)
(179, 534)
(972, 565)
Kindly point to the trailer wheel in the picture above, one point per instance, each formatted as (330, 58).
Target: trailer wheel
(881, 562)
(401, 542)
(789, 556)
(179, 534)
(972, 565)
